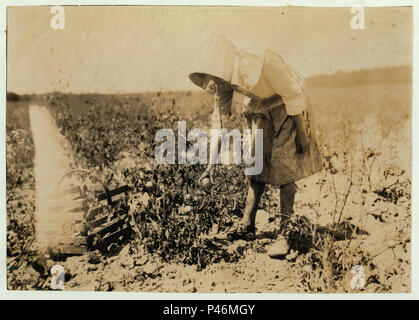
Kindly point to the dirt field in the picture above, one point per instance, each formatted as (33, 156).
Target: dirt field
(357, 211)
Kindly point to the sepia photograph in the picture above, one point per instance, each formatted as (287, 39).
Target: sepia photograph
(209, 149)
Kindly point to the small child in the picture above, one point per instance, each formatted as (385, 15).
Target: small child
(276, 102)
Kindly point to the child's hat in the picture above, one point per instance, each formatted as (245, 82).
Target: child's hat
(217, 58)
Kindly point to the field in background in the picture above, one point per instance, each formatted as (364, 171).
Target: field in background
(355, 212)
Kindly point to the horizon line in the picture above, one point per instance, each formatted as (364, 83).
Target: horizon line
(196, 89)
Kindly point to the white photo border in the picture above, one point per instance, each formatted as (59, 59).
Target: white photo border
(6, 294)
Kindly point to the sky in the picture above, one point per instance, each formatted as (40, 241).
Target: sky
(124, 49)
